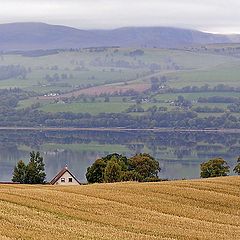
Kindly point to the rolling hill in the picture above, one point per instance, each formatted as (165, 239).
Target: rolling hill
(192, 209)
(29, 36)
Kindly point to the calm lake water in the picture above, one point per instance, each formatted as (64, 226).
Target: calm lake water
(179, 154)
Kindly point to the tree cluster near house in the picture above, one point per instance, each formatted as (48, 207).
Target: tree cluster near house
(115, 168)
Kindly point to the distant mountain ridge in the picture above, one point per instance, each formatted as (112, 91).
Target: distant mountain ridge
(30, 36)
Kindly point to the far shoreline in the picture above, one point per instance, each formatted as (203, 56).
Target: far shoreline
(116, 129)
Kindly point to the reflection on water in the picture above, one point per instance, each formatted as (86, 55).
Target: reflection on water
(179, 154)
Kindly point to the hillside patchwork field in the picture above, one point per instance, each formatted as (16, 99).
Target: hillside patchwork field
(187, 209)
(112, 71)
(146, 87)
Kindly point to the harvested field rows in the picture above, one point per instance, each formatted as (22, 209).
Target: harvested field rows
(195, 209)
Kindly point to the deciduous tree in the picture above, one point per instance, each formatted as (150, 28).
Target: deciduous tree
(115, 168)
(95, 173)
(216, 167)
(112, 171)
(145, 165)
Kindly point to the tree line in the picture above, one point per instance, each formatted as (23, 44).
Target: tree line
(13, 71)
(154, 117)
(115, 167)
(160, 119)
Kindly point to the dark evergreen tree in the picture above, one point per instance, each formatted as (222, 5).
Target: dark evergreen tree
(35, 173)
(32, 173)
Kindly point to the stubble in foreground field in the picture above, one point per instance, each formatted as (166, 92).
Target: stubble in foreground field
(199, 209)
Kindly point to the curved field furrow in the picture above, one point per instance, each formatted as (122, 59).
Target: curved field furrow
(197, 209)
(167, 199)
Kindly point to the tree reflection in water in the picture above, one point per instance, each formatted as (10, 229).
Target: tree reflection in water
(179, 153)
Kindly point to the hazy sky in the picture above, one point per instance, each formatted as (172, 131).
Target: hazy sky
(207, 15)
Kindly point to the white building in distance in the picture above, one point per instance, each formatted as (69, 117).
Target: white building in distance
(65, 178)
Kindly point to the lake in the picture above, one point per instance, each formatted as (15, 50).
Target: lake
(179, 153)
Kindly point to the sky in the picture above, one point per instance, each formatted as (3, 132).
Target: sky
(217, 16)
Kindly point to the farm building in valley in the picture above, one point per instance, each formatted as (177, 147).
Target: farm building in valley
(65, 177)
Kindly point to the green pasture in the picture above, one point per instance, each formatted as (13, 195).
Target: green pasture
(194, 96)
(29, 102)
(116, 104)
(92, 108)
(223, 74)
(195, 68)
(93, 146)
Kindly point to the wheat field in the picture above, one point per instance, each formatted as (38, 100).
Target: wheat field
(189, 209)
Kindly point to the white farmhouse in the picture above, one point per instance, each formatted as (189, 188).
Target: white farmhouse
(65, 177)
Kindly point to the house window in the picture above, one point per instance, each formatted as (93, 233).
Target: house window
(62, 179)
(70, 180)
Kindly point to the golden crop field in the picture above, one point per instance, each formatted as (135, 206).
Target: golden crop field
(194, 209)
